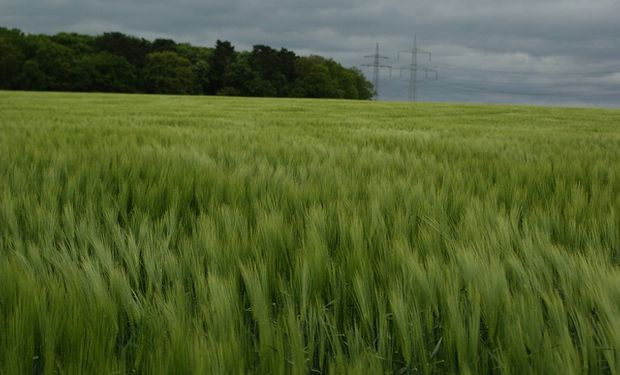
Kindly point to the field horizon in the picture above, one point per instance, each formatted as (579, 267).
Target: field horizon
(200, 234)
(584, 106)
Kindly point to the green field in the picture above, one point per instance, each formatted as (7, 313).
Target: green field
(186, 235)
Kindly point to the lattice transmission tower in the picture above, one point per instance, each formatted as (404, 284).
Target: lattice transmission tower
(416, 67)
(376, 66)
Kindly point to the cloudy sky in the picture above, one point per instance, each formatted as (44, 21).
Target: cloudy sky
(523, 51)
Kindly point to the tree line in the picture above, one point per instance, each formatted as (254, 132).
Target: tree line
(116, 62)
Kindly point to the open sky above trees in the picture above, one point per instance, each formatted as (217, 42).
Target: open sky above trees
(551, 51)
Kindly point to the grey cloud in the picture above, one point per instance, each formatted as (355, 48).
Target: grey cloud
(570, 48)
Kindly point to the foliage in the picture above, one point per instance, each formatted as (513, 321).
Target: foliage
(131, 48)
(222, 58)
(81, 44)
(56, 62)
(275, 68)
(168, 73)
(163, 45)
(11, 59)
(156, 234)
(315, 79)
(105, 72)
(32, 77)
(115, 62)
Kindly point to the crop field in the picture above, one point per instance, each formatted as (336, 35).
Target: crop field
(188, 235)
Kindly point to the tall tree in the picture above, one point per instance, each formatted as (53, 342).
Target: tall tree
(115, 62)
(11, 61)
(168, 73)
(314, 79)
(56, 62)
(105, 72)
(32, 77)
(275, 67)
(365, 91)
(161, 45)
(78, 43)
(200, 58)
(223, 56)
(242, 79)
(131, 48)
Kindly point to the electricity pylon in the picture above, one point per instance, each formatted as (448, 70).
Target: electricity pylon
(376, 65)
(414, 67)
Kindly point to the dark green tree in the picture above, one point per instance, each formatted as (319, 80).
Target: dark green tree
(238, 75)
(365, 90)
(131, 48)
(314, 79)
(168, 73)
(78, 43)
(115, 62)
(242, 79)
(11, 61)
(221, 59)
(105, 72)
(56, 62)
(201, 74)
(161, 45)
(276, 68)
(32, 77)
(199, 57)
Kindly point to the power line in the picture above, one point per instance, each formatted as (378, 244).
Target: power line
(459, 80)
(427, 72)
(463, 87)
(396, 93)
(376, 65)
(522, 72)
(414, 67)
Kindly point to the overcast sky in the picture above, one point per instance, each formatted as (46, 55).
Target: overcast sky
(523, 51)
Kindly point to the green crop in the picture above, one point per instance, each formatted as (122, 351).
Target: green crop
(185, 235)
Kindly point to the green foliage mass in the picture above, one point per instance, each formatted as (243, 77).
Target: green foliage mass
(189, 235)
(115, 62)
(168, 73)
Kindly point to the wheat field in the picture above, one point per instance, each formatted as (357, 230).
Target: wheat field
(189, 235)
